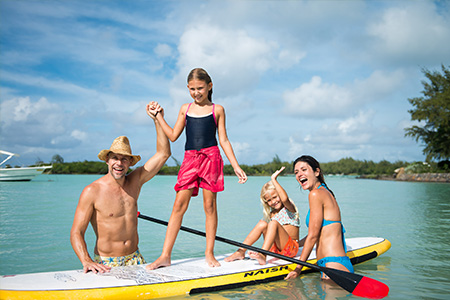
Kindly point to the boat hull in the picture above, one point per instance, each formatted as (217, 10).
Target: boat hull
(21, 174)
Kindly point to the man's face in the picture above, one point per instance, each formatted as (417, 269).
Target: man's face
(118, 164)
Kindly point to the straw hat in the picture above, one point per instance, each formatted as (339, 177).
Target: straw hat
(120, 145)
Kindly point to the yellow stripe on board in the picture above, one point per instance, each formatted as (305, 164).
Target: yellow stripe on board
(153, 291)
(380, 248)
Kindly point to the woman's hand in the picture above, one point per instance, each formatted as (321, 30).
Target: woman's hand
(293, 274)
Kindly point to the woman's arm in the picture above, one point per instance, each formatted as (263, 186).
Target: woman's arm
(315, 226)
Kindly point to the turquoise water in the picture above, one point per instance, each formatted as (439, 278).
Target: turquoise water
(36, 217)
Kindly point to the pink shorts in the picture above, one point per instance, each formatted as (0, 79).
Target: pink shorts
(201, 169)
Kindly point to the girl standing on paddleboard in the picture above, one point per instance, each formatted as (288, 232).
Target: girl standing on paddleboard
(325, 229)
(280, 226)
(202, 165)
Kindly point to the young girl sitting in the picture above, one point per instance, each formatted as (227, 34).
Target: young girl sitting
(280, 226)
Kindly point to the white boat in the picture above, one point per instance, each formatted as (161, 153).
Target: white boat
(19, 174)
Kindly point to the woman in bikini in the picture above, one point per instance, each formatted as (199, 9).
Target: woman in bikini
(325, 229)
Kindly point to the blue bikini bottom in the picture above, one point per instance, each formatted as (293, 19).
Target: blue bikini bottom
(343, 260)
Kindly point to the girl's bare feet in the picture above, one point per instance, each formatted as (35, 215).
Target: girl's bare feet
(238, 255)
(162, 261)
(212, 261)
(261, 258)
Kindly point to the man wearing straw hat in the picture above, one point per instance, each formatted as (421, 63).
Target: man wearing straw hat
(110, 204)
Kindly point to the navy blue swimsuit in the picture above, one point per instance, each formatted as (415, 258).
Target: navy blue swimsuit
(200, 131)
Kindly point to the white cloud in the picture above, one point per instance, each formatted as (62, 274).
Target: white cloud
(355, 128)
(235, 57)
(79, 135)
(317, 99)
(295, 148)
(22, 109)
(231, 54)
(379, 85)
(31, 122)
(163, 50)
(412, 32)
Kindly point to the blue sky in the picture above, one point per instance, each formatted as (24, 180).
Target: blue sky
(325, 78)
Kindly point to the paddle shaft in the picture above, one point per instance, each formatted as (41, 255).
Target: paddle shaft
(238, 244)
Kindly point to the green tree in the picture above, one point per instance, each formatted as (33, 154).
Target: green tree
(57, 159)
(433, 112)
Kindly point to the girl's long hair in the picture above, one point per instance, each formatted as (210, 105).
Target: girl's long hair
(267, 210)
(201, 74)
(314, 164)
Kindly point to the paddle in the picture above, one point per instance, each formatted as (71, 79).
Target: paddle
(356, 284)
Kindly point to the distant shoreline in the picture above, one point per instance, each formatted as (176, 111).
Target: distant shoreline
(418, 177)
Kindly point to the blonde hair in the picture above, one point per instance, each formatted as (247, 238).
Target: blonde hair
(267, 210)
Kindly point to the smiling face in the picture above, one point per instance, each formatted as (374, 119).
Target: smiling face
(273, 200)
(306, 176)
(199, 90)
(118, 165)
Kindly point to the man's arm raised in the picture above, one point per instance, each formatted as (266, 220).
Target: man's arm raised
(157, 161)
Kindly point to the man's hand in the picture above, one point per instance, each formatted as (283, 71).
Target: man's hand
(153, 108)
(95, 267)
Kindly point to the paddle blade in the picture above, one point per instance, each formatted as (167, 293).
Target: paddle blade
(357, 284)
(371, 288)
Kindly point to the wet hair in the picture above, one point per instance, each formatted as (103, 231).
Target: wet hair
(201, 74)
(314, 164)
(266, 207)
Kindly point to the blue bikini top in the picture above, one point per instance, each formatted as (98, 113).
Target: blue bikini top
(324, 222)
(328, 222)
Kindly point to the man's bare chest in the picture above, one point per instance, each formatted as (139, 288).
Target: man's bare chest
(116, 203)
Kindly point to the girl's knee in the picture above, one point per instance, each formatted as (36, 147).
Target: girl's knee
(180, 206)
(210, 210)
(210, 207)
(262, 225)
(273, 223)
(209, 204)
